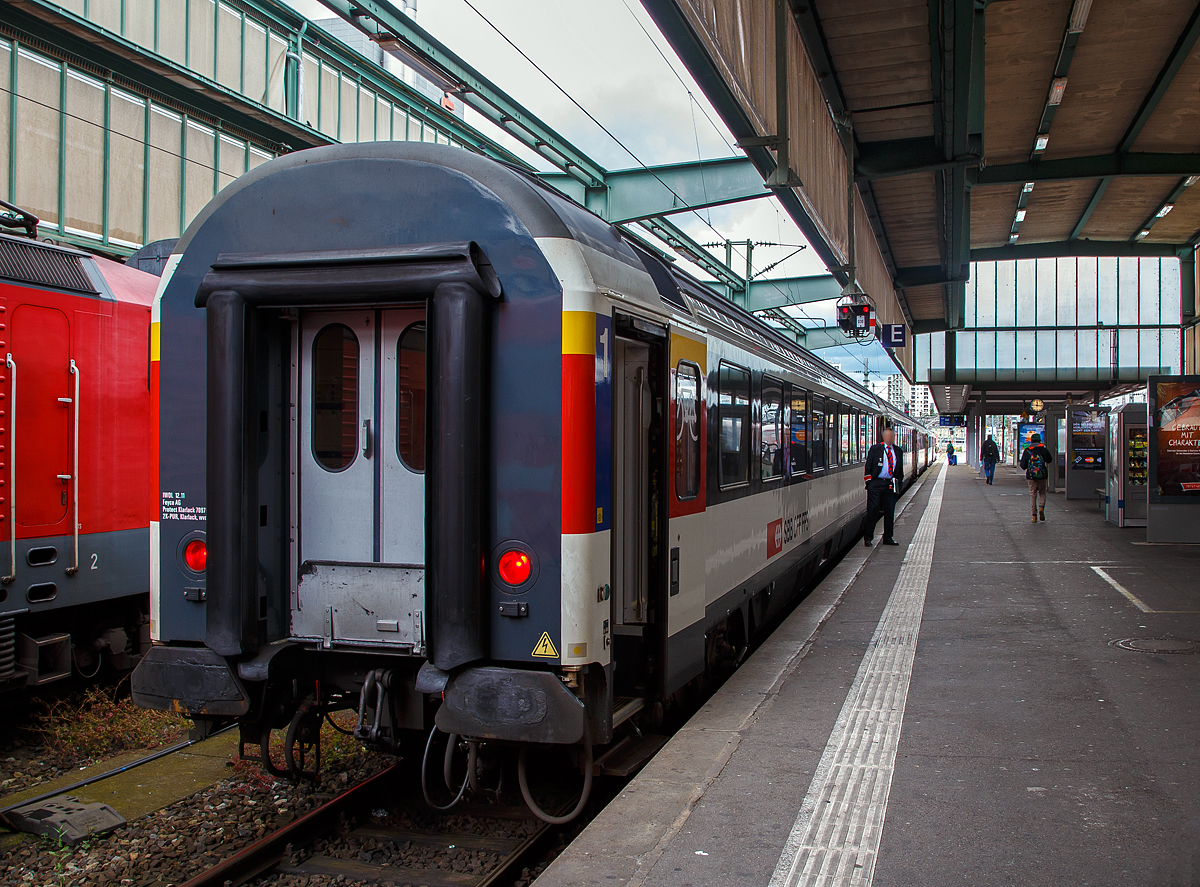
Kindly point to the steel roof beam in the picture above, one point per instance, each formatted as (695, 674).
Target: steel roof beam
(1099, 166)
(1166, 76)
(633, 194)
(904, 157)
(786, 291)
(1072, 248)
(401, 36)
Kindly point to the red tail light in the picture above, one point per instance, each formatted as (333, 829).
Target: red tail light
(514, 567)
(195, 555)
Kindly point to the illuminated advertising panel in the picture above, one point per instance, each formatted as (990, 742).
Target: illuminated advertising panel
(1174, 410)
(1088, 430)
(1025, 431)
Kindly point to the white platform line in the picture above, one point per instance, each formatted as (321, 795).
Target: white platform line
(1129, 595)
(835, 839)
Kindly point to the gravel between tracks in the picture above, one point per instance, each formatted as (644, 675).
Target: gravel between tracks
(177, 842)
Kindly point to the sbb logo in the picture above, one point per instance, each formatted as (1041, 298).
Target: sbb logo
(774, 537)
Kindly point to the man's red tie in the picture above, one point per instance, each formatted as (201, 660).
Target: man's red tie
(891, 461)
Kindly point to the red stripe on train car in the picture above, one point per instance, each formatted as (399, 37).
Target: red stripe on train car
(578, 443)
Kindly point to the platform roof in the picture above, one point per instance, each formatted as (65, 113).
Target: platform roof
(950, 100)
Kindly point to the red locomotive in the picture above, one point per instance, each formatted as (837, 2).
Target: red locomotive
(75, 460)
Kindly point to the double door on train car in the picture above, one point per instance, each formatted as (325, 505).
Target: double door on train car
(360, 492)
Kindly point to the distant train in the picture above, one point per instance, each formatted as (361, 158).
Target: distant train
(462, 454)
(76, 466)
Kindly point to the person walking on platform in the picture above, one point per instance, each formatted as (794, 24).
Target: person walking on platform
(885, 476)
(1036, 462)
(950, 460)
(989, 455)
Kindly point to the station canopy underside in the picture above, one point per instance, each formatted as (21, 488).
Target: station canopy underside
(1010, 129)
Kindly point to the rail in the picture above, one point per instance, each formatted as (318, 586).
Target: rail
(267, 852)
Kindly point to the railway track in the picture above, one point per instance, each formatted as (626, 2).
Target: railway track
(351, 836)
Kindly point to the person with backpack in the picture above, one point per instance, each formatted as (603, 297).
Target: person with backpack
(950, 454)
(989, 455)
(1036, 462)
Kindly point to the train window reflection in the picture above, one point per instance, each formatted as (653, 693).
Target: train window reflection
(687, 431)
(771, 452)
(798, 439)
(818, 432)
(335, 396)
(410, 388)
(831, 434)
(733, 410)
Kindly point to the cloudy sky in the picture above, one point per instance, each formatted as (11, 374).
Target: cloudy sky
(608, 56)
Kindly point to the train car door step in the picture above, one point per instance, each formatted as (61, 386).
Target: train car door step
(629, 755)
(625, 707)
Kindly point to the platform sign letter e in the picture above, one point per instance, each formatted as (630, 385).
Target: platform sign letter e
(893, 335)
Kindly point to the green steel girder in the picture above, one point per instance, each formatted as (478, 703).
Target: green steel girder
(632, 194)
(396, 32)
(679, 241)
(785, 291)
(1121, 163)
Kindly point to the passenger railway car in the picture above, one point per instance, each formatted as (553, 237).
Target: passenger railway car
(461, 453)
(75, 463)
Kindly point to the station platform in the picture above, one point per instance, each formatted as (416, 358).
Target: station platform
(993, 702)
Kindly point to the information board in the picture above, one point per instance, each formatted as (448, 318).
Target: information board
(953, 420)
(1088, 430)
(1174, 403)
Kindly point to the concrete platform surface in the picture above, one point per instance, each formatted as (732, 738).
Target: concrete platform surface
(954, 711)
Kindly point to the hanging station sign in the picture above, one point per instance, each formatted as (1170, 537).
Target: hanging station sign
(1174, 411)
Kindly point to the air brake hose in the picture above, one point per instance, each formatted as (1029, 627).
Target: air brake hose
(424, 782)
(584, 794)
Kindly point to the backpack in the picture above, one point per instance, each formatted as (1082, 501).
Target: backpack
(1037, 469)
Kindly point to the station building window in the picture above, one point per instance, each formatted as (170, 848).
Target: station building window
(410, 388)
(687, 431)
(733, 412)
(335, 397)
(771, 452)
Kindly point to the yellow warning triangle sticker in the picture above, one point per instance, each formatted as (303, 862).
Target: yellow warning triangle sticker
(545, 647)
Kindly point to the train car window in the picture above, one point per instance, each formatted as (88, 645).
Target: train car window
(818, 432)
(832, 446)
(687, 431)
(733, 411)
(800, 466)
(864, 443)
(335, 397)
(844, 431)
(410, 390)
(771, 452)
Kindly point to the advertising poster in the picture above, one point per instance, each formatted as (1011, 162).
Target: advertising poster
(1175, 436)
(1025, 431)
(1088, 437)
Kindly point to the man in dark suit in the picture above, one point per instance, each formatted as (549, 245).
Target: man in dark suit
(885, 475)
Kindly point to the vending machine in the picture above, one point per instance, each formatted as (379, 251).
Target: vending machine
(1128, 466)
